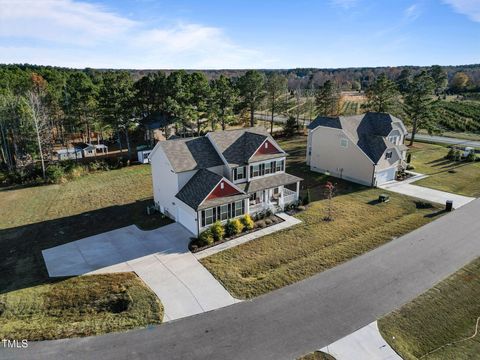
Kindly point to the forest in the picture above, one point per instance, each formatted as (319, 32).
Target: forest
(43, 108)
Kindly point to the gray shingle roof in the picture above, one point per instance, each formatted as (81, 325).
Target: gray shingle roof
(366, 130)
(191, 154)
(269, 182)
(237, 146)
(198, 188)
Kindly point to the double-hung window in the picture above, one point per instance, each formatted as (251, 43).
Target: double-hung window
(240, 173)
(279, 165)
(224, 212)
(255, 170)
(208, 216)
(268, 168)
(239, 208)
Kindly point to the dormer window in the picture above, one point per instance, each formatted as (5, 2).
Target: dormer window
(388, 155)
(344, 143)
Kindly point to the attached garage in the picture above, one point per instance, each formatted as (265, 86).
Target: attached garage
(187, 219)
(386, 175)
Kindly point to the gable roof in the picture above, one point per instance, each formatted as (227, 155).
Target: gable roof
(190, 153)
(238, 146)
(367, 131)
(200, 186)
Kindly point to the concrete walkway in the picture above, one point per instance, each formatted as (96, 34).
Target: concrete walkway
(289, 221)
(424, 193)
(363, 344)
(159, 257)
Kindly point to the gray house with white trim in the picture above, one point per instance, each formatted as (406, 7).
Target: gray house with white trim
(220, 176)
(366, 149)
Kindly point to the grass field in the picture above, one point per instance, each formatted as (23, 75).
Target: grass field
(444, 314)
(80, 306)
(317, 355)
(36, 218)
(430, 159)
(360, 225)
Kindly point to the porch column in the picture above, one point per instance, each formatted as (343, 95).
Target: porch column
(297, 194)
(282, 200)
(247, 206)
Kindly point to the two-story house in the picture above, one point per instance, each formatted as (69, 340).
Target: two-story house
(367, 149)
(220, 176)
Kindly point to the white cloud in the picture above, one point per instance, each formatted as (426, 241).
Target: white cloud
(346, 4)
(470, 8)
(412, 12)
(78, 34)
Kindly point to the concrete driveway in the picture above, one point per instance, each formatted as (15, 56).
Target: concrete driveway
(160, 257)
(407, 188)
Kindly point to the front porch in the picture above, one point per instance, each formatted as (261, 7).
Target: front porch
(274, 199)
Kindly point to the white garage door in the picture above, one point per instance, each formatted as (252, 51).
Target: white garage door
(187, 220)
(386, 175)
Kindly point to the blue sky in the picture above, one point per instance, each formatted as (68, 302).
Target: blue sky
(194, 34)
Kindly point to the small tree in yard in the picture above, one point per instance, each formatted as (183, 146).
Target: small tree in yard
(306, 199)
(290, 127)
(329, 190)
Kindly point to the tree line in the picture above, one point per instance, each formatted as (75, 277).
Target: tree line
(41, 107)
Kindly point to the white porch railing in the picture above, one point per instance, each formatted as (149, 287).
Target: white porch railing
(289, 196)
(256, 208)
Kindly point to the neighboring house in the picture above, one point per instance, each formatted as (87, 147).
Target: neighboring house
(220, 176)
(158, 127)
(367, 149)
(89, 150)
(68, 154)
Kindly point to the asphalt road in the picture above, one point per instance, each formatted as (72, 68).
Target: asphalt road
(299, 318)
(447, 140)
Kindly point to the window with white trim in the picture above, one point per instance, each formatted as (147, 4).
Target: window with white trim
(224, 212)
(208, 216)
(279, 165)
(255, 170)
(344, 143)
(239, 208)
(268, 168)
(240, 173)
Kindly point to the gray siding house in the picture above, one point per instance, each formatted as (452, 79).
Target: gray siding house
(366, 149)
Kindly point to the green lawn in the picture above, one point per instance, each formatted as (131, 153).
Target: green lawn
(36, 218)
(444, 314)
(317, 355)
(430, 159)
(283, 258)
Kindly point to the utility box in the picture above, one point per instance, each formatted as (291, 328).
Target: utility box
(383, 198)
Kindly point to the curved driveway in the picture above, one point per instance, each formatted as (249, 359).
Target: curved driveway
(302, 317)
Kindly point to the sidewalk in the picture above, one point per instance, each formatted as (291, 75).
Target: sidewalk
(363, 344)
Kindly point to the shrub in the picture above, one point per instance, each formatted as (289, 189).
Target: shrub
(229, 228)
(206, 238)
(261, 224)
(217, 230)
(54, 174)
(471, 156)
(410, 167)
(268, 221)
(268, 213)
(423, 205)
(306, 199)
(453, 154)
(237, 226)
(301, 208)
(247, 222)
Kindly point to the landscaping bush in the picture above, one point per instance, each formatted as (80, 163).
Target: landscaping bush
(301, 208)
(410, 167)
(268, 213)
(218, 231)
(237, 226)
(423, 205)
(268, 221)
(97, 165)
(260, 224)
(206, 238)
(55, 174)
(453, 154)
(247, 222)
(470, 157)
(229, 229)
